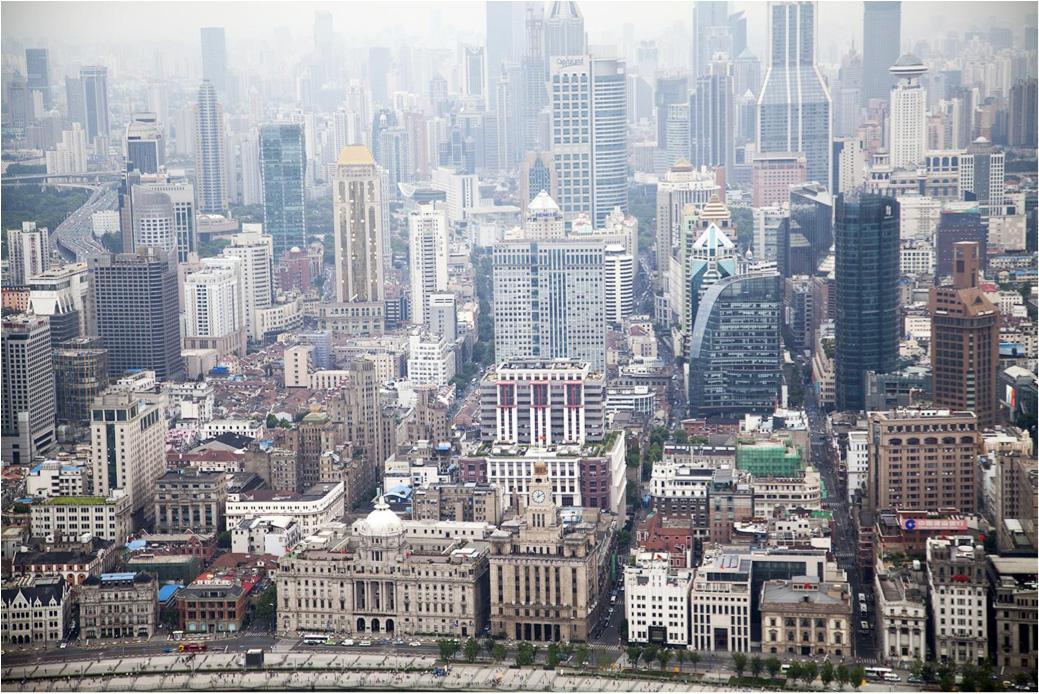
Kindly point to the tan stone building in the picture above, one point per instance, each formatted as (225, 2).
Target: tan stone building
(118, 605)
(922, 460)
(378, 580)
(187, 499)
(549, 579)
(1014, 601)
(462, 501)
(807, 617)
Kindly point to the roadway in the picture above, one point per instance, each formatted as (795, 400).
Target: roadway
(74, 237)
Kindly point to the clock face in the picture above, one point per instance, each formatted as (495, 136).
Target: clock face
(538, 496)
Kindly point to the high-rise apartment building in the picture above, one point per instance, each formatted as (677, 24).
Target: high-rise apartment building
(135, 296)
(283, 167)
(794, 104)
(214, 306)
(549, 300)
(589, 134)
(881, 43)
(866, 236)
(427, 254)
(618, 283)
(254, 250)
(357, 215)
(712, 119)
(735, 347)
(214, 57)
(154, 221)
(210, 154)
(93, 80)
(28, 389)
(965, 341)
(28, 253)
(1021, 127)
(922, 460)
(145, 147)
(127, 448)
(908, 114)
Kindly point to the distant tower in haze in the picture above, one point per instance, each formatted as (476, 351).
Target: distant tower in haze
(282, 172)
(37, 74)
(210, 158)
(711, 33)
(93, 80)
(214, 57)
(711, 118)
(908, 114)
(794, 104)
(564, 31)
(145, 148)
(881, 45)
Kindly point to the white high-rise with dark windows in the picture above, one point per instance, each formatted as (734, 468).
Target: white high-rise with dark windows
(210, 156)
(908, 114)
(427, 249)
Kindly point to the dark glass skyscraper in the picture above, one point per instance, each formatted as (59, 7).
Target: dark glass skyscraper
(794, 105)
(734, 363)
(135, 296)
(37, 75)
(711, 118)
(881, 43)
(93, 80)
(282, 170)
(867, 253)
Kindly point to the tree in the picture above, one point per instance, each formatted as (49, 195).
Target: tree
(552, 656)
(916, 669)
(681, 438)
(663, 657)
(581, 655)
(681, 655)
(649, 653)
(498, 653)
(928, 673)
(793, 671)
(634, 653)
(809, 671)
(826, 673)
(223, 540)
(946, 677)
(694, 658)
(526, 653)
(448, 648)
(471, 649)
(756, 666)
(267, 603)
(739, 662)
(842, 675)
(970, 679)
(488, 645)
(858, 674)
(773, 666)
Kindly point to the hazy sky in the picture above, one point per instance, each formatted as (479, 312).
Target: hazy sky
(50, 23)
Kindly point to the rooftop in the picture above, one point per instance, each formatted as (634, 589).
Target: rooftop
(355, 155)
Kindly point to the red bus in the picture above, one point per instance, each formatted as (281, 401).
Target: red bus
(192, 647)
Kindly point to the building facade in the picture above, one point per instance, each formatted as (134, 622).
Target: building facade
(118, 605)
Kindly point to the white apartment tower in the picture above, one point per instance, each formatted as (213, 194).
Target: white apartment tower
(29, 251)
(255, 251)
(656, 600)
(213, 301)
(908, 137)
(619, 283)
(357, 215)
(427, 250)
(127, 447)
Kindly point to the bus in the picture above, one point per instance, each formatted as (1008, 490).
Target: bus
(314, 639)
(192, 647)
(880, 674)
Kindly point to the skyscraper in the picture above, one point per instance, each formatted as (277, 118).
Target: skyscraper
(427, 256)
(474, 83)
(711, 118)
(619, 283)
(670, 89)
(154, 221)
(181, 196)
(549, 300)
(589, 135)
(712, 257)
(145, 148)
(735, 347)
(794, 104)
(37, 74)
(282, 172)
(210, 156)
(564, 31)
(254, 249)
(711, 33)
(965, 341)
(28, 389)
(214, 57)
(535, 95)
(881, 44)
(214, 307)
(908, 114)
(1021, 126)
(505, 40)
(357, 215)
(135, 296)
(866, 235)
(29, 251)
(93, 80)
(380, 61)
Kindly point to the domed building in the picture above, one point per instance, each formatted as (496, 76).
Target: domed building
(388, 577)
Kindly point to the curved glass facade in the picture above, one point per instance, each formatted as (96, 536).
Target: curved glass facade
(734, 365)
